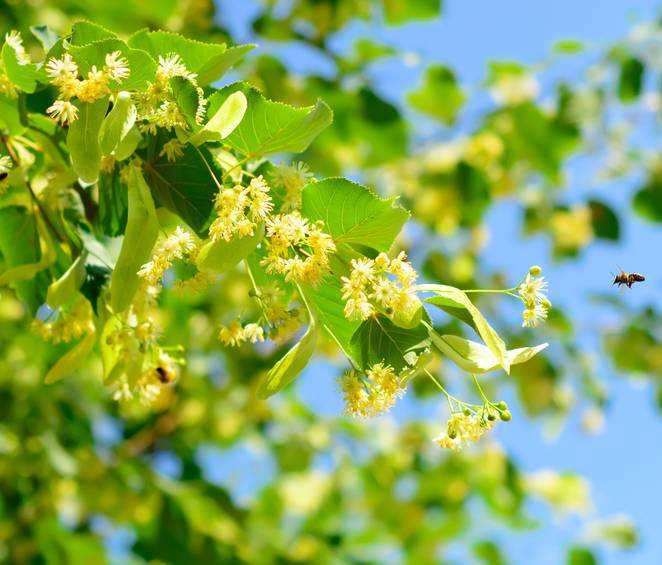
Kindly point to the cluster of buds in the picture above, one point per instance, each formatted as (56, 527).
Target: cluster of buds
(380, 285)
(63, 73)
(373, 393)
(532, 293)
(469, 426)
(240, 209)
(297, 249)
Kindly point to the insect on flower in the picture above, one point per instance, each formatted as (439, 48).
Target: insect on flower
(627, 279)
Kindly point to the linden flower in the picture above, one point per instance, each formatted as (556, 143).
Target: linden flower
(94, 87)
(380, 284)
(240, 209)
(172, 150)
(533, 315)
(14, 40)
(292, 178)
(116, 67)
(62, 70)
(373, 394)
(533, 289)
(172, 66)
(297, 249)
(235, 333)
(177, 245)
(63, 111)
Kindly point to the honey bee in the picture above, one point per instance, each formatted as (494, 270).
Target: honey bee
(627, 279)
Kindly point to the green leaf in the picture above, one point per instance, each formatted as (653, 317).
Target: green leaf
(468, 355)
(24, 76)
(186, 96)
(581, 556)
(83, 33)
(128, 144)
(568, 47)
(400, 11)
(378, 340)
(113, 204)
(440, 95)
(71, 360)
(186, 187)
(83, 139)
(353, 214)
(272, 127)
(208, 60)
(475, 357)
(9, 115)
(523, 354)
(327, 304)
(630, 79)
(17, 224)
(142, 229)
(224, 121)
(647, 201)
(221, 256)
(290, 365)
(66, 287)
(26, 271)
(142, 66)
(117, 123)
(46, 36)
(454, 297)
(605, 221)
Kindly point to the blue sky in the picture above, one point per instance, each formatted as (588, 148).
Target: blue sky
(624, 463)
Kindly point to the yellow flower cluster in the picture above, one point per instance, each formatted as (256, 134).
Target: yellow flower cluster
(70, 324)
(235, 333)
(283, 322)
(292, 178)
(463, 428)
(297, 249)
(157, 104)
(172, 150)
(63, 73)
(373, 393)
(532, 292)
(369, 288)
(572, 229)
(240, 209)
(176, 246)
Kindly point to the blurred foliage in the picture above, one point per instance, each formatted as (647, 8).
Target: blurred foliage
(340, 490)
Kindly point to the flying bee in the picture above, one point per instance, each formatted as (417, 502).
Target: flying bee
(627, 279)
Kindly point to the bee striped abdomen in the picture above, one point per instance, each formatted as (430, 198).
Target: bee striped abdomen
(628, 279)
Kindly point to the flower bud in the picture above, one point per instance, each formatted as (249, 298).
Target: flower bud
(535, 271)
(505, 416)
